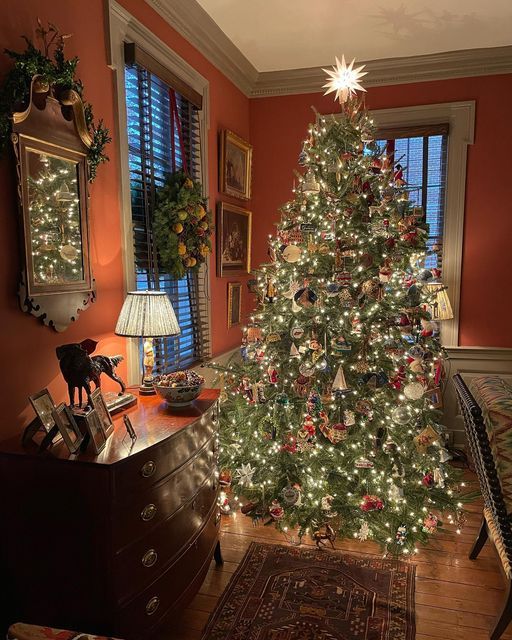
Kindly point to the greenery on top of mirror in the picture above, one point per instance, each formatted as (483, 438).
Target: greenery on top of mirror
(49, 62)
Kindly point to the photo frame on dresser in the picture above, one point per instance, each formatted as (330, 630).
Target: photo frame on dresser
(95, 431)
(100, 406)
(43, 404)
(68, 427)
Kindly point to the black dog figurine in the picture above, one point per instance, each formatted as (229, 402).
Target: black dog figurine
(80, 369)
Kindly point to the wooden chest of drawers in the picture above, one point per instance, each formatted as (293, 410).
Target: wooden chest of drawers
(115, 543)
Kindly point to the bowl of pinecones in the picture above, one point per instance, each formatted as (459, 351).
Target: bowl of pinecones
(180, 388)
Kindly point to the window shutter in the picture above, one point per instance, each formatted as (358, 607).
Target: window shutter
(153, 143)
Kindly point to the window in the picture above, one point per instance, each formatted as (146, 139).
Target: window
(156, 146)
(423, 155)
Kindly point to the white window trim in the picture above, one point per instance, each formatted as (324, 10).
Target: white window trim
(123, 27)
(460, 117)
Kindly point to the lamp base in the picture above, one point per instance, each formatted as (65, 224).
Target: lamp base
(116, 402)
(147, 388)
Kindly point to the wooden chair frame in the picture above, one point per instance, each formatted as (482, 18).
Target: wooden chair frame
(495, 520)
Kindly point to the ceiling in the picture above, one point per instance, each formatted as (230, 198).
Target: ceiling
(294, 34)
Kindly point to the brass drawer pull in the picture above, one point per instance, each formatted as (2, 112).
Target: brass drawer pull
(148, 469)
(148, 513)
(149, 558)
(152, 605)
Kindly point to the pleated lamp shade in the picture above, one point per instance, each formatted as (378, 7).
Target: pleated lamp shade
(441, 309)
(147, 314)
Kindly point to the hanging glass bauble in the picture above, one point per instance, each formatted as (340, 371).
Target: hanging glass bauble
(68, 252)
(307, 369)
(401, 415)
(413, 390)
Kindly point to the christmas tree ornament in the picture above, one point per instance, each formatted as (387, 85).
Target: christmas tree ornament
(444, 455)
(349, 417)
(395, 493)
(276, 510)
(363, 533)
(328, 534)
(340, 345)
(301, 385)
(259, 394)
(225, 477)
(292, 495)
(430, 523)
(428, 480)
(270, 292)
(339, 383)
(326, 506)
(371, 503)
(272, 374)
(439, 478)
(68, 252)
(294, 352)
(313, 403)
(365, 408)
(310, 185)
(305, 297)
(321, 364)
(273, 337)
(344, 80)
(414, 390)
(282, 399)
(401, 415)
(292, 290)
(335, 433)
(291, 253)
(426, 438)
(346, 299)
(401, 535)
(363, 463)
(244, 475)
(307, 369)
(297, 332)
(247, 389)
(225, 506)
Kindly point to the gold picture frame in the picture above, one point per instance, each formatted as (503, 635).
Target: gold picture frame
(235, 165)
(234, 304)
(233, 235)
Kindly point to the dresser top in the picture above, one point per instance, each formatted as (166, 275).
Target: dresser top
(152, 419)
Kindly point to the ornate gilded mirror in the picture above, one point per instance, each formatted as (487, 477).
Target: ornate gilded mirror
(51, 142)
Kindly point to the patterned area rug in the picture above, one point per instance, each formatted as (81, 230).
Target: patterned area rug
(290, 593)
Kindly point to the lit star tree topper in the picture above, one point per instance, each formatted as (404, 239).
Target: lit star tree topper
(344, 80)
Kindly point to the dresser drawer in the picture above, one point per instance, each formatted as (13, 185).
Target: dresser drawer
(142, 562)
(142, 470)
(138, 616)
(148, 508)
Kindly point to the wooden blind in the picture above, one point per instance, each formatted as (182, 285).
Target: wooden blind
(153, 147)
(422, 152)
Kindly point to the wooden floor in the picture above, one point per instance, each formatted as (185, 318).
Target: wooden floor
(456, 598)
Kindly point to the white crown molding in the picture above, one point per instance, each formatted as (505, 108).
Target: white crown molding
(194, 23)
(389, 71)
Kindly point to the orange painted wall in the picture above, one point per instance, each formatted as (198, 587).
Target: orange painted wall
(28, 348)
(278, 125)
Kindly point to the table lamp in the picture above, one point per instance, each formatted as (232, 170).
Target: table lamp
(147, 315)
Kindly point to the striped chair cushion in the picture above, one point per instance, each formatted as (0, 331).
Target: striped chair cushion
(494, 396)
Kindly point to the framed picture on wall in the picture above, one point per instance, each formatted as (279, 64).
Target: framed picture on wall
(234, 303)
(235, 165)
(233, 240)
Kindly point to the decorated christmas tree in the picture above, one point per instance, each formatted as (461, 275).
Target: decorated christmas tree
(330, 425)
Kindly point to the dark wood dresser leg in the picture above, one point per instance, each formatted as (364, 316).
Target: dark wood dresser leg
(217, 554)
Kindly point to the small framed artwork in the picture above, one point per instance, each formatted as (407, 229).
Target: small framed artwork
(235, 165)
(435, 397)
(95, 431)
(99, 405)
(233, 240)
(234, 303)
(68, 428)
(43, 405)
